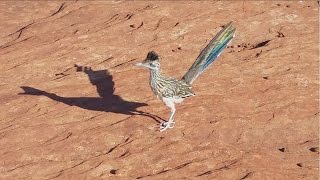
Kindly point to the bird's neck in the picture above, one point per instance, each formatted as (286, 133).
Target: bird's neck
(154, 74)
(154, 80)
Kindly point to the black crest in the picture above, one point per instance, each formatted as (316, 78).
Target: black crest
(152, 56)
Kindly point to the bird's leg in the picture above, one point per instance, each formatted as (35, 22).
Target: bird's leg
(165, 125)
(171, 120)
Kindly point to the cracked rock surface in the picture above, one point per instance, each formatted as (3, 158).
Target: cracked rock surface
(73, 106)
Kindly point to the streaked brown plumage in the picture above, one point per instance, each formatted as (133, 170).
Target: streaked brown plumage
(169, 87)
(171, 90)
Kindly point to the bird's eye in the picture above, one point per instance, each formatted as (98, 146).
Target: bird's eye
(151, 64)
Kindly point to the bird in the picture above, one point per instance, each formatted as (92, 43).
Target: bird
(172, 91)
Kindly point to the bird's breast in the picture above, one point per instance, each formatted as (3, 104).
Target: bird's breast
(154, 88)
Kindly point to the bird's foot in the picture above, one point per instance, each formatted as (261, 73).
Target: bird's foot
(166, 125)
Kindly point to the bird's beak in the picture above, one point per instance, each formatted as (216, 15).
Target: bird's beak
(138, 64)
(143, 65)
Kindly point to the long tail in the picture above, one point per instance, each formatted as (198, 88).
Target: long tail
(210, 53)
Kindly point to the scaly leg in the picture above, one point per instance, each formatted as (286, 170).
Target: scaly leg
(165, 125)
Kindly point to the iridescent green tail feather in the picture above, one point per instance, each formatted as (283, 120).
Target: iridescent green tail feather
(210, 52)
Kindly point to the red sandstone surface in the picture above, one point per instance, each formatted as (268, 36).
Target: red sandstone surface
(73, 106)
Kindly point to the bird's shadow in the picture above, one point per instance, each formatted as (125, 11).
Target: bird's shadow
(107, 102)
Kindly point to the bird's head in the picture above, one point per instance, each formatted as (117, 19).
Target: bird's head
(152, 61)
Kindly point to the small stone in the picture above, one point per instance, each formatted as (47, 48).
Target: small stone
(113, 171)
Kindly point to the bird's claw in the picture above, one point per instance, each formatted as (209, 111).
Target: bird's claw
(166, 125)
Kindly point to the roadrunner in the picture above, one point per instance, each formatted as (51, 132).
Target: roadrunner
(172, 91)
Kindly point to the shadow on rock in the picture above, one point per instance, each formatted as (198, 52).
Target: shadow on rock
(107, 101)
